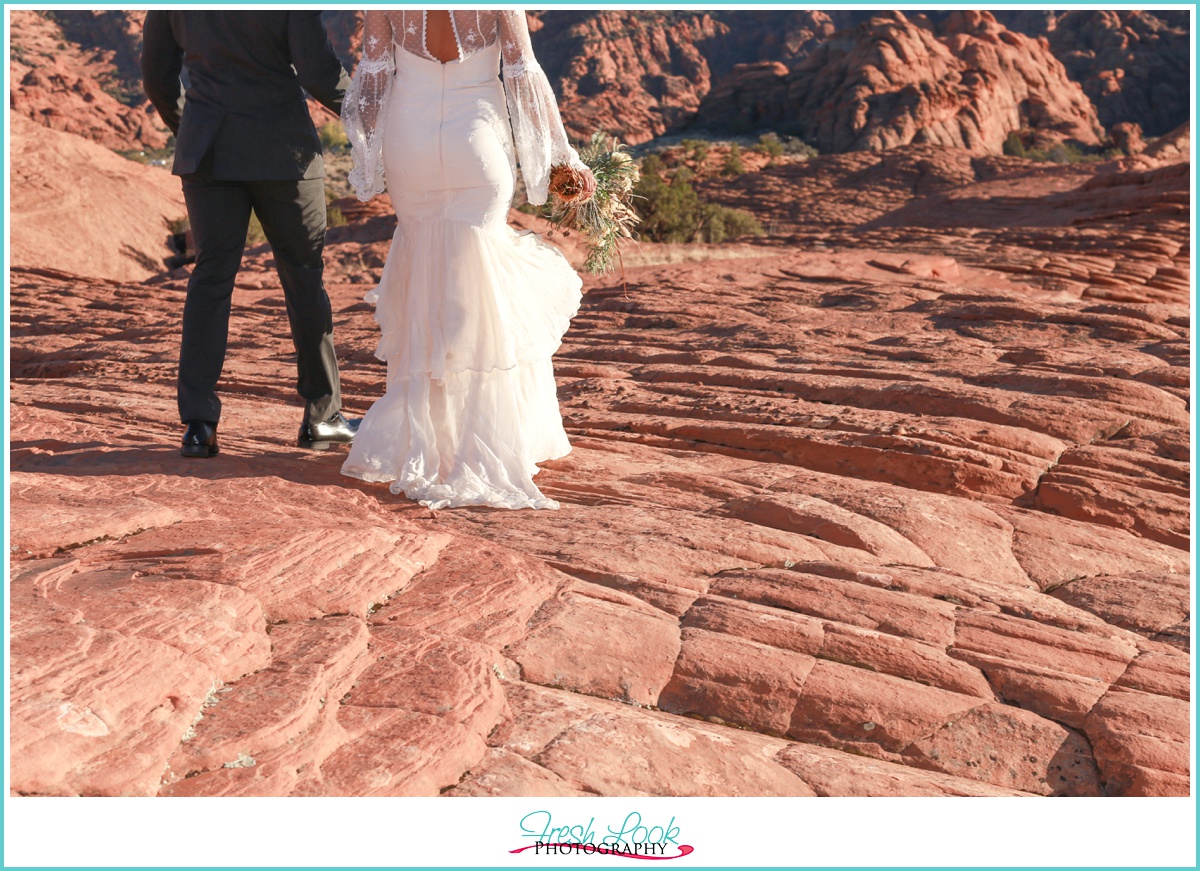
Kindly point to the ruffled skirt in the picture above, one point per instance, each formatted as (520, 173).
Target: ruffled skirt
(470, 312)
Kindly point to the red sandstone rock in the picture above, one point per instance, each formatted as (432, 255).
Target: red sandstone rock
(1022, 751)
(312, 665)
(1171, 147)
(570, 644)
(1141, 743)
(737, 681)
(901, 657)
(633, 77)
(1162, 674)
(828, 522)
(65, 86)
(857, 604)
(873, 714)
(77, 207)
(1054, 551)
(1127, 136)
(810, 490)
(775, 627)
(1131, 63)
(109, 669)
(608, 748)
(831, 772)
(1147, 604)
(968, 85)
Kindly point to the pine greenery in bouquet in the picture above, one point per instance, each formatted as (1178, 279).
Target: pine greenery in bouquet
(607, 216)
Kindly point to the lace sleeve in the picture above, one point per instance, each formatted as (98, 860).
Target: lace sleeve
(541, 140)
(366, 99)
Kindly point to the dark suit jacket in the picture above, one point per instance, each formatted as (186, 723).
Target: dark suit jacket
(247, 73)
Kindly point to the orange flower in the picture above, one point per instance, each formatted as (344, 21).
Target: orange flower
(566, 184)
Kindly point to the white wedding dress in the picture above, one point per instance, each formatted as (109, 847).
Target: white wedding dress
(469, 310)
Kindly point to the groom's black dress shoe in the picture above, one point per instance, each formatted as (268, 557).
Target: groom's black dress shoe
(320, 436)
(199, 439)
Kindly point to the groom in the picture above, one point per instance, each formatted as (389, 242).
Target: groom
(244, 140)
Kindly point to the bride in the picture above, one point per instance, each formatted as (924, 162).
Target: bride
(470, 312)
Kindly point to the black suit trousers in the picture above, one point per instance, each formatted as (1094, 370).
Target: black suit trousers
(292, 214)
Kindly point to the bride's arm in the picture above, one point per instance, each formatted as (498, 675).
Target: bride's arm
(363, 107)
(538, 130)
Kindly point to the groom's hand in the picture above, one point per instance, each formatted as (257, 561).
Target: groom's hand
(317, 65)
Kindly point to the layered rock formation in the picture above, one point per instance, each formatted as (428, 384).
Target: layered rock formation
(895, 503)
(74, 86)
(77, 207)
(892, 81)
(634, 74)
(112, 33)
(1133, 64)
(639, 74)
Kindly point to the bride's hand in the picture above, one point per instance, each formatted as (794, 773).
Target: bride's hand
(587, 184)
(572, 183)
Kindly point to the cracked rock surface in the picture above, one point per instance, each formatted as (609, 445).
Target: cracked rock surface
(893, 503)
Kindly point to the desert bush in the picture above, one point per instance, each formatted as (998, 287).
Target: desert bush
(733, 161)
(255, 234)
(333, 214)
(725, 223)
(698, 149)
(333, 136)
(1013, 146)
(1064, 153)
(673, 211)
(151, 156)
(669, 207)
(796, 147)
(124, 94)
(770, 145)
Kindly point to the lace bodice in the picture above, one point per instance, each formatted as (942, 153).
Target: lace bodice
(538, 133)
(409, 29)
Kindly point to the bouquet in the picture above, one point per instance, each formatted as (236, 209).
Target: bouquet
(607, 216)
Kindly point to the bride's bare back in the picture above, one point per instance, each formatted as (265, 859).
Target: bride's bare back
(440, 41)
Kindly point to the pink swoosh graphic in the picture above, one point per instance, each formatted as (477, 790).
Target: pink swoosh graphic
(601, 850)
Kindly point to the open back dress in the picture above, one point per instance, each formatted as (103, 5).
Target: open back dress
(470, 312)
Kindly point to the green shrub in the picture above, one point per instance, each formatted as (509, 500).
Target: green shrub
(769, 145)
(726, 223)
(1066, 152)
(126, 96)
(1013, 146)
(152, 156)
(255, 234)
(652, 164)
(333, 136)
(1060, 152)
(698, 149)
(733, 161)
(672, 210)
(799, 148)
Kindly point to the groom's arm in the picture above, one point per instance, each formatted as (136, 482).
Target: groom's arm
(317, 65)
(162, 61)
